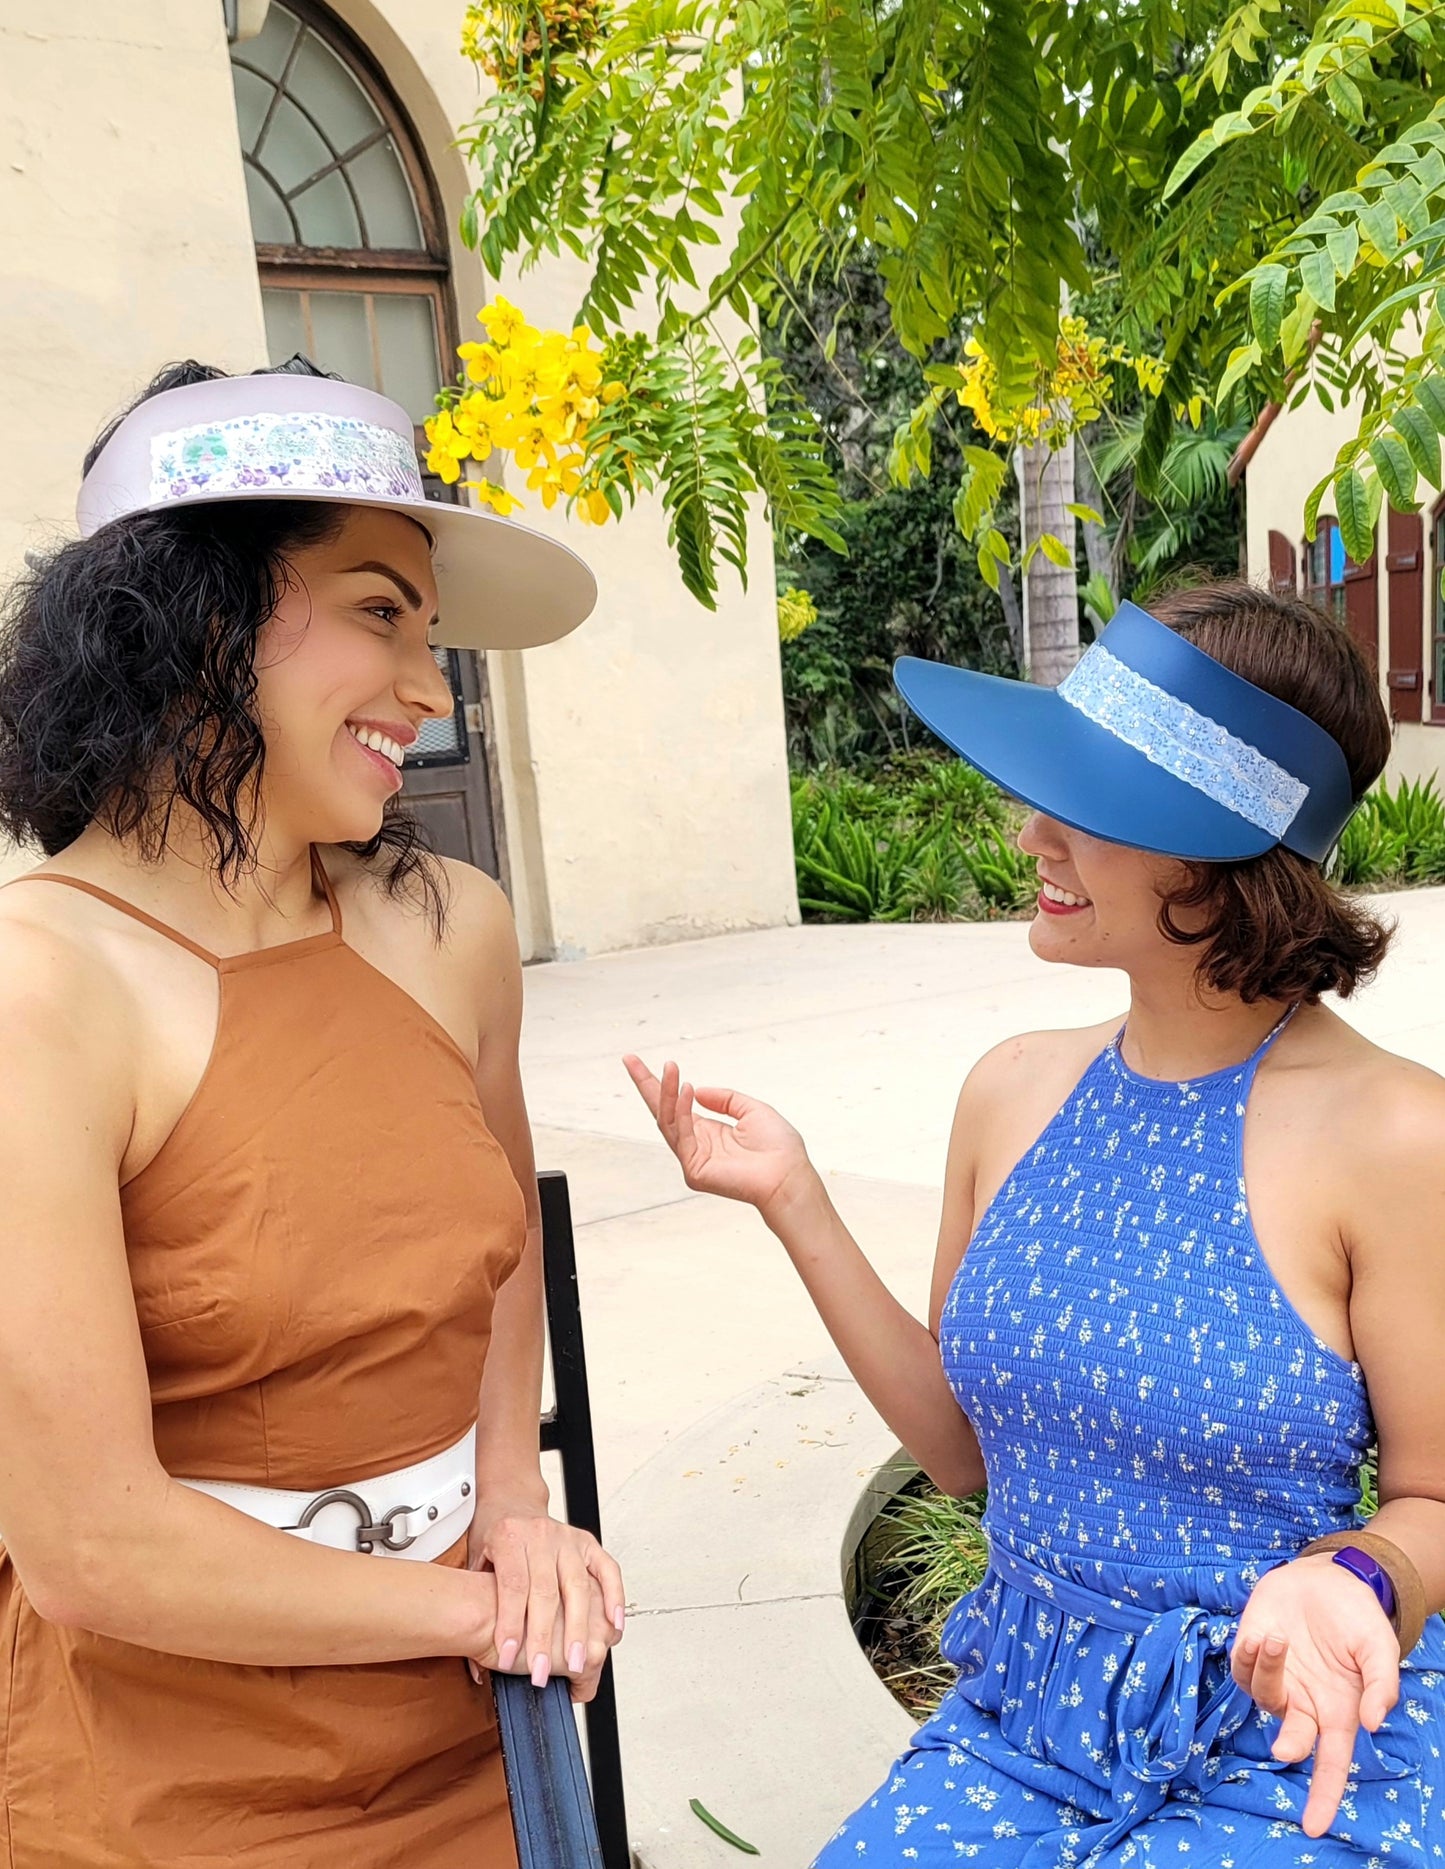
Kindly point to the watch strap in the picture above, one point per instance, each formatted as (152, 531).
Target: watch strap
(1410, 1614)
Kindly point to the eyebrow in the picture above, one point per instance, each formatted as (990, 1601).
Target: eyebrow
(404, 585)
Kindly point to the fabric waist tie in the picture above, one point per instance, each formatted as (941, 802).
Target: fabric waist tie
(416, 1512)
(1160, 1726)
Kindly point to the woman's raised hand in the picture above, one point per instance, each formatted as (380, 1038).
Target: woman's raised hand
(1315, 1649)
(756, 1156)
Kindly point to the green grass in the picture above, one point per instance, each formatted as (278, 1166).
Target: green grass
(1395, 838)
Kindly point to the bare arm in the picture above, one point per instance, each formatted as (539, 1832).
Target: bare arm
(549, 1576)
(1397, 1318)
(101, 1537)
(759, 1158)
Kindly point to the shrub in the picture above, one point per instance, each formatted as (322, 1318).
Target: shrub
(922, 838)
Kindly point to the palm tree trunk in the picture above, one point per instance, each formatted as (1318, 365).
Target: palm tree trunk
(1051, 592)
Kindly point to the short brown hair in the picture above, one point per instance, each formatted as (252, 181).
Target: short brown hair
(1274, 927)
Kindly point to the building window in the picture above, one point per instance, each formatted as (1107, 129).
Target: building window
(348, 231)
(1325, 562)
(1437, 617)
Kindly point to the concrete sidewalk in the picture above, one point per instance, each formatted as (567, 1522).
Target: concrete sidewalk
(694, 1318)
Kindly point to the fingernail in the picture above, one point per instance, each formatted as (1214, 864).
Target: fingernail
(576, 1658)
(619, 1616)
(541, 1670)
(476, 1672)
(508, 1655)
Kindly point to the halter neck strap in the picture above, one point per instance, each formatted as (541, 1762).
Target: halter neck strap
(320, 880)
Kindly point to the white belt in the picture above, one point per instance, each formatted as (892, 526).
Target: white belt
(416, 1512)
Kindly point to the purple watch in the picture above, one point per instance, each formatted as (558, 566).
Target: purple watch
(1360, 1564)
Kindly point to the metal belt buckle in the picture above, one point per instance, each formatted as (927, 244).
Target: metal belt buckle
(369, 1532)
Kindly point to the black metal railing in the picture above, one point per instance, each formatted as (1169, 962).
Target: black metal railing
(558, 1825)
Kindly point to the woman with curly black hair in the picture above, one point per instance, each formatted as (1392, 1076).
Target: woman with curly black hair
(269, 1250)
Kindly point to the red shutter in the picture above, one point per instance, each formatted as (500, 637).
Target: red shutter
(1405, 596)
(1362, 609)
(1282, 576)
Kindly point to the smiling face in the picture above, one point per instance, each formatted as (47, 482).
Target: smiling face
(345, 677)
(1099, 903)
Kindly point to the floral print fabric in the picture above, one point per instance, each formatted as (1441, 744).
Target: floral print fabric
(1160, 1428)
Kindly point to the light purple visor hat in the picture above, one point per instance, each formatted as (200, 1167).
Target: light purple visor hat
(500, 585)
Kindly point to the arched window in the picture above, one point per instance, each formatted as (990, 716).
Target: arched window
(354, 274)
(348, 231)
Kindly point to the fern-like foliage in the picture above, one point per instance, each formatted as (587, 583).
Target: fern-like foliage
(1265, 181)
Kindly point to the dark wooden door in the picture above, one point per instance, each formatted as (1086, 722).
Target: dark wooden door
(445, 780)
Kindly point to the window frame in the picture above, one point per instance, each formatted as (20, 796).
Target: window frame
(425, 271)
(1434, 715)
(1334, 591)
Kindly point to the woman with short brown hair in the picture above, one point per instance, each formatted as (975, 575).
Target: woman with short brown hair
(1189, 1270)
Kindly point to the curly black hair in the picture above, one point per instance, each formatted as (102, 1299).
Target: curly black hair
(128, 681)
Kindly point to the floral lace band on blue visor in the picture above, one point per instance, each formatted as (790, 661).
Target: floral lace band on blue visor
(1148, 742)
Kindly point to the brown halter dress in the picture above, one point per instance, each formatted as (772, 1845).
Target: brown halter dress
(315, 1253)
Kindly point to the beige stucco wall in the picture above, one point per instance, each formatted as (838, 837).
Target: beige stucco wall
(643, 760)
(126, 236)
(643, 769)
(1298, 450)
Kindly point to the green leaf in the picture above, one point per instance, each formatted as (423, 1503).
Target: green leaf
(1352, 504)
(1084, 513)
(1430, 396)
(1055, 550)
(1418, 433)
(1396, 470)
(1197, 154)
(1378, 223)
(1344, 94)
(1317, 274)
(1266, 304)
(988, 567)
(1241, 361)
(995, 542)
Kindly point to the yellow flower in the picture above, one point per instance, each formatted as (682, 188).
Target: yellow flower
(592, 508)
(491, 494)
(501, 320)
(613, 392)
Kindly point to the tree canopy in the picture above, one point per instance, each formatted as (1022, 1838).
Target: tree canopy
(1258, 189)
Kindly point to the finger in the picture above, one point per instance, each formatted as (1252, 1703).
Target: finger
(543, 1616)
(600, 1638)
(1331, 1774)
(1267, 1686)
(686, 1127)
(1242, 1659)
(1380, 1674)
(722, 1102)
(513, 1579)
(667, 1104)
(647, 1084)
(1295, 1740)
(577, 1591)
(608, 1573)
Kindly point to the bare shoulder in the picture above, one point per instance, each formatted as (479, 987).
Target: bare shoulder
(66, 1018)
(1391, 1108)
(478, 911)
(1034, 1064)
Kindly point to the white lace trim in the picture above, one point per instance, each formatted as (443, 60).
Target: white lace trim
(1173, 735)
(308, 452)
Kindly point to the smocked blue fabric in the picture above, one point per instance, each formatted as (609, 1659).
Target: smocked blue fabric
(1160, 1427)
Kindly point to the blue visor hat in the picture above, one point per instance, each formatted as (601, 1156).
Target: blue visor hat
(1148, 742)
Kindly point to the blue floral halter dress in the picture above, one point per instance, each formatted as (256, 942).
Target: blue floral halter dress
(1160, 1428)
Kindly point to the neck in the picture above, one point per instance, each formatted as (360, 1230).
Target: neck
(270, 902)
(1178, 1030)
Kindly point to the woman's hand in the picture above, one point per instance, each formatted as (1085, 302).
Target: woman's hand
(560, 1601)
(758, 1157)
(1315, 1649)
